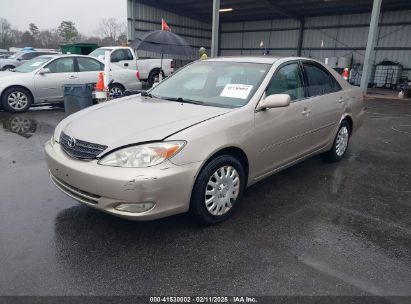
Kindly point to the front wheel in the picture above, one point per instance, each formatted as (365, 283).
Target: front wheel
(340, 143)
(217, 190)
(8, 67)
(16, 100)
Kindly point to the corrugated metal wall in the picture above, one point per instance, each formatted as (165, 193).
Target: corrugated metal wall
(329, 36)
(147, 18)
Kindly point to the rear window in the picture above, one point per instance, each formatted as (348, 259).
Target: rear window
(320, 81)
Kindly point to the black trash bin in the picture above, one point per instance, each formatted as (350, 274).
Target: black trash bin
(77, 97)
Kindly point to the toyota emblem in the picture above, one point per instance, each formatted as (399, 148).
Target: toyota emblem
(71, 142)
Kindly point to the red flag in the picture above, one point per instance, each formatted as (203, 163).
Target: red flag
(164, 26)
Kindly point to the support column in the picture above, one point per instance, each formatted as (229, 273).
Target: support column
(131, 24)
(300, 36)
(215, 28)
(369, 51)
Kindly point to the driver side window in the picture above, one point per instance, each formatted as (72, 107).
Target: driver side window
(287, 80)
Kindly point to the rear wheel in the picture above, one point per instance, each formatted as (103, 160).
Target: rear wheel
(340, 143)
(217, 189)
(153, 76)
(16, 100)
(116, 89)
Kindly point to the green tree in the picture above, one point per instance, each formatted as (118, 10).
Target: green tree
(67, 31)
(27, 39)
(34, 30)
(5, 34)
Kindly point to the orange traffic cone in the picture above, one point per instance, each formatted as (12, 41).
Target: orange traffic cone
(101, 94)
(346, 75)
(100, 82)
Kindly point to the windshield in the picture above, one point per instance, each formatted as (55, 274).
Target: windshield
(99, 53)
(214, 83)
(32, 64)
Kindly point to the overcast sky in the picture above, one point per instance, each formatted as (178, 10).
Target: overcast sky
(47, 14)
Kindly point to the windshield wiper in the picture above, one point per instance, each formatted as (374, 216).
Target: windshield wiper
(183, 100)
(146, 94)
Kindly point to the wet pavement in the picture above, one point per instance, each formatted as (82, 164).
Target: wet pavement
(313, 229)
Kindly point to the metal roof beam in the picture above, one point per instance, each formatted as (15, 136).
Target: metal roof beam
(272, 5)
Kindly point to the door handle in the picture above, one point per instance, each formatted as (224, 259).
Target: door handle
(306, 111)
(126, 64)
(341, 99)
(72, 77)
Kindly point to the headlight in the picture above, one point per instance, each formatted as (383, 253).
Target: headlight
(142, 156)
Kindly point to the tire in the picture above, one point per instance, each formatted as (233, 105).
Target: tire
(152, 76)
(8, 67)
(16, 100)
(206, 206)
(340, 144)
(117, 88)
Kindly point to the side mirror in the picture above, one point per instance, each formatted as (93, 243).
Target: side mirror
(44, 71)
(274, 101)
(19, 59)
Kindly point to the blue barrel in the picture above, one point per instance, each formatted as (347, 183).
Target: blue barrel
(77, 97)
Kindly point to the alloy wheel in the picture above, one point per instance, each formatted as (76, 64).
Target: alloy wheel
(17, 100)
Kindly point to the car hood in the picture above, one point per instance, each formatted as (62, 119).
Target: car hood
(135, 119)
(7, 74)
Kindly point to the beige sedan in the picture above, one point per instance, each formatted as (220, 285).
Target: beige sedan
(197, 140)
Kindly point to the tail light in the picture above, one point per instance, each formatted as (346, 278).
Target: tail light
(173, 64)
(138, 75)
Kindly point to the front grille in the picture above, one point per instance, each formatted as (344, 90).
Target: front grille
(77, 194)
(80, 149)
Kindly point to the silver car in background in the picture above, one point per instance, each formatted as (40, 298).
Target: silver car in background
(200, 137)
(19, 58)
(41, 80)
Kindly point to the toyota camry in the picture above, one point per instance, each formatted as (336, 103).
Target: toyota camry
(198, 139)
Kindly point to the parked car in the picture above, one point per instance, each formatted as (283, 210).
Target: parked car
(5, 54)
(199, 138)
(126, 58)
(41, 80)
(19, 58)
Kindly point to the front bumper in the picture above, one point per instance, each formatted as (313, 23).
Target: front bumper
(104, 187)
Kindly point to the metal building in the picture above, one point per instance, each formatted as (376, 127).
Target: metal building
(311, 28)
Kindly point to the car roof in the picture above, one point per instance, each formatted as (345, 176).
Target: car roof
(65, 55)
(256, 59)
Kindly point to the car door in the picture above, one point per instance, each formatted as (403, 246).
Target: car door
(123, 58)
(283, 134)
(88, 69)
(327, 102)
(49, 86)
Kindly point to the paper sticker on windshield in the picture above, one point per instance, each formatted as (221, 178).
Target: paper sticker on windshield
(36, 63)
(236, 90)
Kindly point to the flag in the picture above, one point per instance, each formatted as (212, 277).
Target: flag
(164, 26)
(261, 44)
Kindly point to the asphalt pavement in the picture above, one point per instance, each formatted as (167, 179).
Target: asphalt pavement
(313, 229)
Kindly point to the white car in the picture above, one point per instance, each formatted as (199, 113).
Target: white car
(41, 80)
